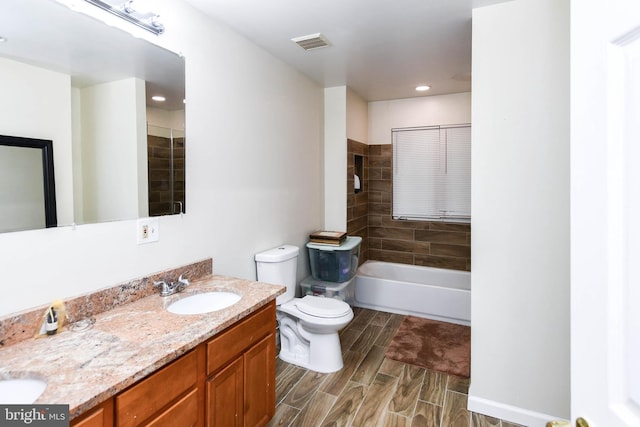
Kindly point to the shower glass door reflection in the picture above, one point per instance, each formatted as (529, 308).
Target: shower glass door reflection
(165, 151)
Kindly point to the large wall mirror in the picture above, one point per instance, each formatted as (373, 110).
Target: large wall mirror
(70, 79)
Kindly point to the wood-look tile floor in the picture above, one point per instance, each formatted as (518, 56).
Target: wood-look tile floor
(372, 390)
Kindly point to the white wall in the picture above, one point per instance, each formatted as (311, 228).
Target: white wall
(253, 173)
(142, 147)
(113, 116)
(357, 118)
(22, 205)
(335, 155)
(345, 117)
(76, 156)
(39, 104)
(520, 205)
(421, 111)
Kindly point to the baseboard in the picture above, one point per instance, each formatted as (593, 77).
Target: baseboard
(513, 414)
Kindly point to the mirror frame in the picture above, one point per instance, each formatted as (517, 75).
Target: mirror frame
(48, 176)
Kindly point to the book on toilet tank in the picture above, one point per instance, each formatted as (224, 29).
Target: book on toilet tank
(328, 237)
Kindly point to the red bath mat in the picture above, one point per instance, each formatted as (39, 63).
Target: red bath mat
(440, 346)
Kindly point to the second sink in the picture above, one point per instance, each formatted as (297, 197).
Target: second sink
(203, 303)
(21, 390)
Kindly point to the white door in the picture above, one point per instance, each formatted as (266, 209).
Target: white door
(605, 212)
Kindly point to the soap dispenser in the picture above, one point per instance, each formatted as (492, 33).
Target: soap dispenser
(51, 321)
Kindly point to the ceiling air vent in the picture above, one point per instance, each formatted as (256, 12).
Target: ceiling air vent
(312, 41)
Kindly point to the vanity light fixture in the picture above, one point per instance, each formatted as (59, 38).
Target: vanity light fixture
(423, 88)
(132, 11)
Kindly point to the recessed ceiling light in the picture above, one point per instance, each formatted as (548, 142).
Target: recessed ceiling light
(159, 98)
(422, 88)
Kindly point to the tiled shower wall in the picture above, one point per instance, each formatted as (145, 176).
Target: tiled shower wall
(159, 155)
(428, 243)
(358, 203)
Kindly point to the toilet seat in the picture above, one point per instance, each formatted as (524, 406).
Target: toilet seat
(322, 307)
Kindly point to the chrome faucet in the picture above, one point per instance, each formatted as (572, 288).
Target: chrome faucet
(171, 288)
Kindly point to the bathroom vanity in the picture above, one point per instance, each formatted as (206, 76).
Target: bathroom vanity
(226, 381)
(141, 365)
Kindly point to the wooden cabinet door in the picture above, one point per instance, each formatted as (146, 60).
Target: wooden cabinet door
(260, 382)
(100, 416)
(224, 398)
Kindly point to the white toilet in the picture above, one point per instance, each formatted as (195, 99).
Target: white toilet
(308, 326)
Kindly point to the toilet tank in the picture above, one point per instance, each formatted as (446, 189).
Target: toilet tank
(278, 267)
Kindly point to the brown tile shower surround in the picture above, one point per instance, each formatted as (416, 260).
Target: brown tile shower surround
(159, 174)
(427, 243)
(20, 326)
(358, 203)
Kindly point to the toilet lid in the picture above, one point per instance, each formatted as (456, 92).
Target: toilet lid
(322, 307)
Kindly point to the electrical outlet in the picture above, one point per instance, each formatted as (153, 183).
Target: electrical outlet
(147, 230)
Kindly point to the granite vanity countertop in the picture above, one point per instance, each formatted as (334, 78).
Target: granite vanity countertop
(125, 344)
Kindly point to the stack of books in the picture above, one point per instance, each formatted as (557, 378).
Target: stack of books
(328, 237)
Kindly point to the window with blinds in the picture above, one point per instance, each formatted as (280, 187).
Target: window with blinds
(432, 173)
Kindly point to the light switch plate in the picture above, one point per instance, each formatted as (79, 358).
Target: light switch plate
(147, 230)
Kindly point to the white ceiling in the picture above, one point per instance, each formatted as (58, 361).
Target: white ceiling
(381, 49)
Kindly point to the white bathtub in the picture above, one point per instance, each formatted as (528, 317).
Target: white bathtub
(434, 293)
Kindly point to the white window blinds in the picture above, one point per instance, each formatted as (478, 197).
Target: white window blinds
(432, 173)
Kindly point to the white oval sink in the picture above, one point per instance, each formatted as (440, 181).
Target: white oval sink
(21, 391)
(203, 303)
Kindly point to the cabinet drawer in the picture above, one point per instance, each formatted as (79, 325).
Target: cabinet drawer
(150, 395)
(237, 338)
